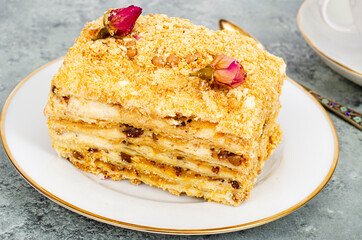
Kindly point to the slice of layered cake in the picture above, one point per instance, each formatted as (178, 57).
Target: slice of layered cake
(156, 105)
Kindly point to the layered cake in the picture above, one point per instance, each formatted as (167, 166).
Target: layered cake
(135, 105)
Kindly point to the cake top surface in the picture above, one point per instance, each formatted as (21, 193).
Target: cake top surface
(102, 70)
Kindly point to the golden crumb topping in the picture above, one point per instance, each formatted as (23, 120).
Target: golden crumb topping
(151, 74)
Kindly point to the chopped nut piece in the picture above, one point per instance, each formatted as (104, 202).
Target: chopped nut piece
(125, 157)
(181, 121)
(172, 60)
(157, 61)
(154, 137)
(215, 170)
(131, 43)
(77, 155)
(161, 165)
(234, 159)
(131, 52)
(66, 99)
(223, 154)
(178, 171)
(93, 150)
(198, 56)
(190, 58)
(132, 131)
(235, 184)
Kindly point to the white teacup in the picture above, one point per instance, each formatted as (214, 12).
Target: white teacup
(342, 15)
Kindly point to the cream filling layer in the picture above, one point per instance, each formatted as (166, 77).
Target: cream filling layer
(146, 144)
(141, 166)
(101, 168)
(80, 110)
(199, 148)
(172, 157)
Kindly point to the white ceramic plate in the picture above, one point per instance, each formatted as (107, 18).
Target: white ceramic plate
(295, 173)
(340, 51)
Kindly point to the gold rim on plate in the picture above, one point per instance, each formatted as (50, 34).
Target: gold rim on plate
(164, 230)
(315, 47)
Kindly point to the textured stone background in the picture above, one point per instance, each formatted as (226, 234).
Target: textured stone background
(36, 32)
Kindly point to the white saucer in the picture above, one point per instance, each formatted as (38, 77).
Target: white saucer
(299, 168)
(340, 51)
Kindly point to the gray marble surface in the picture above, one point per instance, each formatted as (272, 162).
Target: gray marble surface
(36, 32)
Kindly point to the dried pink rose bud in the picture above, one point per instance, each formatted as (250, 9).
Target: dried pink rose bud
(228, 72)
(223, 70)
(121, 21)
